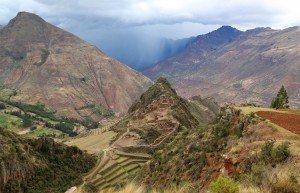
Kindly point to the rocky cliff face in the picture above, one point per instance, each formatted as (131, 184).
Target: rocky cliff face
(48, 65)
(246, 67)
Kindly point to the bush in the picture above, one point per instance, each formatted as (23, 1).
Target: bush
(151, 135)
(44, 56)
(224, 185)
(269, 154)
(89, 188)
(266, 150)
(2, 106)
(281, 152)
(27, 122)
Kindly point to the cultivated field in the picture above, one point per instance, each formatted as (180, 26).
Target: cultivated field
(288, 119)
(93, 143)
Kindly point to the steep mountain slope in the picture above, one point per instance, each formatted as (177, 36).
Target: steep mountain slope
(48, 65)
(182, 137)
(249, 68)
(152, 122)
(158, 114)
(39, 165)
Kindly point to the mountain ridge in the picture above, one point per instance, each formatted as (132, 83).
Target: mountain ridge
(250, 68)
(48, 65)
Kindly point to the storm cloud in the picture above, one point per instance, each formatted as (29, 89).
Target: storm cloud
(198, 16)
(115, 24)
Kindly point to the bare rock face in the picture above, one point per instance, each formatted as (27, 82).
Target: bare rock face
(242, 67)
(48, 65)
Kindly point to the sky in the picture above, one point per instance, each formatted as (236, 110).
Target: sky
(93, 19)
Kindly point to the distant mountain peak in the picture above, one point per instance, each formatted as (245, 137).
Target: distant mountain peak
(54, 67)
(25, 17)
(226, 30)
(236, 68)
(226, 27)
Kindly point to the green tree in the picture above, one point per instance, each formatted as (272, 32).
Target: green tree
(281, 101)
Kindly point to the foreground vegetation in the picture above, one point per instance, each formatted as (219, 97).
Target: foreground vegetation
(40, 165)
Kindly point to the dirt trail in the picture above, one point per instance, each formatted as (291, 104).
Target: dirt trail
(92, 173)
(24, 132)
(71, 190)
(124, 134)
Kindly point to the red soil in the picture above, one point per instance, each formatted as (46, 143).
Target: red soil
(288, 121)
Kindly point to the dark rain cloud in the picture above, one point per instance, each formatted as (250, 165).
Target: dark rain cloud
(86, 16)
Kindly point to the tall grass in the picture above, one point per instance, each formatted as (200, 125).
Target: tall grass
(134, 188)
(284, 178)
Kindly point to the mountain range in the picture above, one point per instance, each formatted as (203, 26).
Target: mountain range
(235, 66)
(45, 64)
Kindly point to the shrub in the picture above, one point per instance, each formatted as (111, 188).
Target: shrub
(27, 122)
(281, 152)
(151, 135)
(44, 56)
(266, 150)
(278, 154)
(89, 188)
(2, 106)
(224, 185)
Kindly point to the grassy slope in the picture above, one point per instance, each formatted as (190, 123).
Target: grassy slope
(249, 109)
(44, 131)
(10, 122)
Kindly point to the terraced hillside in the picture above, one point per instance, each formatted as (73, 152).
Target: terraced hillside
(115, 168)
(152, 122)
